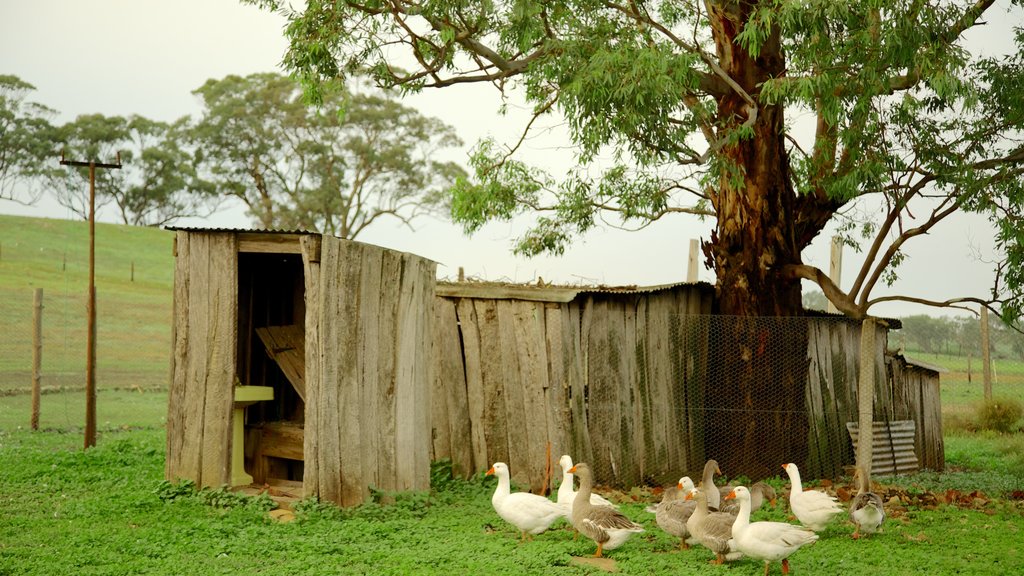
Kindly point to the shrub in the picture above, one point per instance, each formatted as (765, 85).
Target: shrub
(1000, 414)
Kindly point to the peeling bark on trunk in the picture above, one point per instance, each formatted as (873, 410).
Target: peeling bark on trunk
(756, 401)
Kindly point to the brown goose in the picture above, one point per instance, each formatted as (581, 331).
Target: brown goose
(605, 525)
(712, 529)
(707, 483)
(866, 509)
(759, 492)
(673, 511)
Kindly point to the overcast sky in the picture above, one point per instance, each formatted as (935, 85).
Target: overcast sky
(122, 57)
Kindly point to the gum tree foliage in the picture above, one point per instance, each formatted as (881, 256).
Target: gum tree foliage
(26, 141)
(698, 104)
(156, 183)
(336, 168)
(773, 117)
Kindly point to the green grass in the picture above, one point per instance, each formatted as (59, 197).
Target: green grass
(107, 510)
(134, 281)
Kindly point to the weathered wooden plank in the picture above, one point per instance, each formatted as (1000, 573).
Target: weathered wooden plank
(492, 380)
(426, 278)
(578, 330)
(177, 402)
(328, 413)
(631, 425)
(286, 346)
(932, 448)
(269, 243)
(369, 362)
(651, 394)
(281, 440)
(405, 377)
(348, 354)
(390, 290)
(469, 328)
(530, 349)
(603, 406)
(556, 395)
(442, 348)
(220, 293)
(314, 364)
(519, 459)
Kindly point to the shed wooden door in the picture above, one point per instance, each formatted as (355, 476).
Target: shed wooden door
(369, 315)
(203, 361)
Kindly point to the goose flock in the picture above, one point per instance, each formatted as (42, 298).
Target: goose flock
(714, 517)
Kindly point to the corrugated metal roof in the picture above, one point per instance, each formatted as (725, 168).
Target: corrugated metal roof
(254, 230)
(925, 365)
(543, 293)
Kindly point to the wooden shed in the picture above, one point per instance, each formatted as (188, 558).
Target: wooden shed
(625, 379)
(601, 373)
(299, 360)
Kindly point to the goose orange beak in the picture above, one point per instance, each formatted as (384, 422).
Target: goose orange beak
(490, 471)
(689, 496)
(730, 495)
(572, 470)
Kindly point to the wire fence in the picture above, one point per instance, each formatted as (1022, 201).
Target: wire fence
(132, 357)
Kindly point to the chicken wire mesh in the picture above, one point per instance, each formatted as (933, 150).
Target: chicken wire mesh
(751, 393)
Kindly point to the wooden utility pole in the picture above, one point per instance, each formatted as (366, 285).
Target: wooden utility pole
(37, 355)
(90, 304)
(986, 356)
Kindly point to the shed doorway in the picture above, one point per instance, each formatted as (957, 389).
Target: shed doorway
(271, 354)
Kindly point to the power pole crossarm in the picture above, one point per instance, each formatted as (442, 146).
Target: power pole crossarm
(90, 306)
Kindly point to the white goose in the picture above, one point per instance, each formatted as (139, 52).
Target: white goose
(814, 509)
(566, 492)
(605, 525)
(866, 509)
(530, 513)
(767, 541)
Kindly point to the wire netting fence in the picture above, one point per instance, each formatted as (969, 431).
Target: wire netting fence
(646, 394)
(132, 357)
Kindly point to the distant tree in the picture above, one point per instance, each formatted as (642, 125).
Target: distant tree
(27, 149)
(815, 300)
(157, 183)
(336, 168)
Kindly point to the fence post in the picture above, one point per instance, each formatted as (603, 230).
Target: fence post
(865, 397)
(37, 354)
(835, 268)
(692, 263)
(986, 355)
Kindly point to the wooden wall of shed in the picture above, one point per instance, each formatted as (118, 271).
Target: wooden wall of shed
(203, 360)
(369, 319)
(915, 396)
(619, 382)
(833, 350)
(604, 378)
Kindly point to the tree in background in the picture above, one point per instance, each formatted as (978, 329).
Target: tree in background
(693, 108)
(157, 183)
(26, 142)
(336, 168)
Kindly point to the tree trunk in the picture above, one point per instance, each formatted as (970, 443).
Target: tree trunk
(757, 416)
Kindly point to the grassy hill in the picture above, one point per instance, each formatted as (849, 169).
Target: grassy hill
(134, 281)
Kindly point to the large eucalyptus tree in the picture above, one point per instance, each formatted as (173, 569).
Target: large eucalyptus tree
(698, 101)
